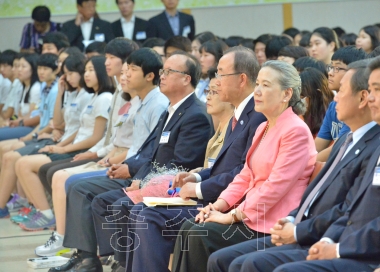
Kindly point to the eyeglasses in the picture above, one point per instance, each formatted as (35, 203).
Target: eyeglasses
(217, 76)
(207, 92)
(166, 72)
(335, 69)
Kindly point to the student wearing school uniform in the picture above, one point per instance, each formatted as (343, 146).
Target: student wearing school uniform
(9, 59)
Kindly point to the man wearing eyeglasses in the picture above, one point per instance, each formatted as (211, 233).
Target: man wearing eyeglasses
(331, 128)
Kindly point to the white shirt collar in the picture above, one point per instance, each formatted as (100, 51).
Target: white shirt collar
(179, 103)
(359, 133)
(241, 107)
(122, 19)
(89, 21)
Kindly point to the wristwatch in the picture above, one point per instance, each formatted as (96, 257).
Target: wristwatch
(234, 216)
(21, 123)
(35, 135)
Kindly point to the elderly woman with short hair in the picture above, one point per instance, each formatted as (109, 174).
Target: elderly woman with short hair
(276, 173)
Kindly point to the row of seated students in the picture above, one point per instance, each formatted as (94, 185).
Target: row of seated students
(88, 27)
(112, 150)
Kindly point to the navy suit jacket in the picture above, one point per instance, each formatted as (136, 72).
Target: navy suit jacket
(74, 32)
(358, 231)
(339, 189)
(139, 29)
(159, 26)
(190, 126)
(231, 157)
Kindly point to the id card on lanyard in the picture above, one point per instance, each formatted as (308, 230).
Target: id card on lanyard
(165, 137)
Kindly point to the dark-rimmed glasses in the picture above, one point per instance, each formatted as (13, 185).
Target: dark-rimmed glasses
(166, 72)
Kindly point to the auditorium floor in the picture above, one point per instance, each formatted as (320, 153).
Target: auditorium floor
(17, 245)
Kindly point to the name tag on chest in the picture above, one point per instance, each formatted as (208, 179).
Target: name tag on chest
(73, 107)
(89, 109)
(211, 162)
(165, 137)
(376, 177)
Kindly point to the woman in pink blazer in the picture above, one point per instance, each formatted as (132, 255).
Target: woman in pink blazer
(276, 173)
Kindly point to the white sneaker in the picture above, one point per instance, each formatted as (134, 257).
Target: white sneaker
(53, 246)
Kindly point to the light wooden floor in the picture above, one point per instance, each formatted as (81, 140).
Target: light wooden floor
(17, 245)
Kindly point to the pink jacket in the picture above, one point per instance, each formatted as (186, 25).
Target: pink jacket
(276, 175)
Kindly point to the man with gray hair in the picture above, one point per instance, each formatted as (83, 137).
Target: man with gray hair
(237, 73)
(328, 196)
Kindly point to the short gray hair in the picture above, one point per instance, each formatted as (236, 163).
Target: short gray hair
(359, 80)
(289, 78)
(245, 62)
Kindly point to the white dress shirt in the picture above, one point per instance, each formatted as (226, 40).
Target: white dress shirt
(128, 27)
(86, 28)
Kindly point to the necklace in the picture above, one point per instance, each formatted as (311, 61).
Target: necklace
(262, 138)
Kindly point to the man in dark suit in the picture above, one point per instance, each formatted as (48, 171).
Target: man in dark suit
(85, 27)
(163, 223)
(171, 23)
(129, 26)
(325, 202)
(186, 123)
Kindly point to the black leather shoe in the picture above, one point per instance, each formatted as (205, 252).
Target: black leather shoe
(91, 264)
(74, 259)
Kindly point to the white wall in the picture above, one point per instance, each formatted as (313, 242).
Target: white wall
(248, 21)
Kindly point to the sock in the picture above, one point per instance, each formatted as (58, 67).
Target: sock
(48, 213)
(59, 235)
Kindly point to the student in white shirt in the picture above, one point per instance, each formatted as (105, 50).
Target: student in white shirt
(5, 86)
(28, 116)
(7, 59)
(67, 116)
(93, 120)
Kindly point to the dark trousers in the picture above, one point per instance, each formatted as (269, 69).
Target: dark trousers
(220, 260)
(47, 171)
(110, 211)
(80, 231)
(197, 241)
(153, 231)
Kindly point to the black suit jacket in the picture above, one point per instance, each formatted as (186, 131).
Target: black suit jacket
(231, 157)
(190, 129)
(139, 30)
(159, 26)
(358, 231)
(339, 189)
(74, 32)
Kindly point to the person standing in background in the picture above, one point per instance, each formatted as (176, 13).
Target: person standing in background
(32, 33)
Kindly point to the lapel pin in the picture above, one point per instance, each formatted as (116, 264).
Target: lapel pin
(357, 152)
(96, 27)
(180, 113)
(241, 122)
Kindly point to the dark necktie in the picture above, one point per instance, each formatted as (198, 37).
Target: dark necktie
(234, 122)
(316, 189)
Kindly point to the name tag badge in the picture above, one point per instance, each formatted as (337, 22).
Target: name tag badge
(100, 37)
(165, 137)
(211, 162)
(376, 177)
(73, 107)
(141, 35)
(122, 120)
(186, 30)
(89, 109)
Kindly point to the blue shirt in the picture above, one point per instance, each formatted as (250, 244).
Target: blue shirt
(31, 38)
(146, 118)
(46, 107)
(332, 128)
(174, 22)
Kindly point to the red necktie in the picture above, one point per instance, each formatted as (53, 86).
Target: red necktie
(234, 122)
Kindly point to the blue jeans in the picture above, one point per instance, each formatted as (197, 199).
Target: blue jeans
(7, 133)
